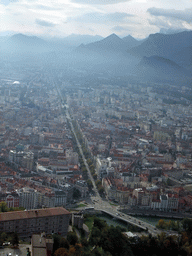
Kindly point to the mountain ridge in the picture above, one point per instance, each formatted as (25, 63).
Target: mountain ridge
(164, 45)
(156, 67)
(112, 43)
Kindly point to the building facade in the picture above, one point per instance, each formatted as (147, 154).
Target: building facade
(26, 223)
(11, 199)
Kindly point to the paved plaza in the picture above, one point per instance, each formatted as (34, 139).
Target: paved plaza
(22, 251)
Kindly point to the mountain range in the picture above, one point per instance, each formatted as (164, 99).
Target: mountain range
(176, 47)
(22, 43)
(157, 68)
(172, 46)
(112, 44)
(166, 56)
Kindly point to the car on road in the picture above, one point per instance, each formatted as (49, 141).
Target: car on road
(6, 243)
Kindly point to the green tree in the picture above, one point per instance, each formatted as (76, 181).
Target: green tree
(61, 252)
(92, 167)
(72, 238)
(101, 191)
(174, 225)
(14, 240)
(98, 183)
(98, 251)
(89, 184)
(161, 238)
(161, 224)
(3, 238)
(95, 236)
(84, 242)
(3, 207)
(187, 225)
(100, 224)
(113, 241)
(169, 182)
(56, 242)
(95, 176)
(63, 243)
(84, 169)
(89, 162)
(76, 193)
(78, 250)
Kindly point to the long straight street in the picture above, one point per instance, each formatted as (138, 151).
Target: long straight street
(83, 157)
(103, 205)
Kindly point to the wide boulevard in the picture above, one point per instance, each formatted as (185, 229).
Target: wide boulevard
(103, 205)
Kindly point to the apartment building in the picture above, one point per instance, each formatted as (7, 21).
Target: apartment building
(165, 203)
(28, 198)
(26, 223)
(81, 185)
(34, 198)
(11, 199)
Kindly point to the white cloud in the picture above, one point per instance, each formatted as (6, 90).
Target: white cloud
(59, 17)
(185, 15)
(44, 23)
(170, 19)
(95, 17)
(7, 2)
(99, 2)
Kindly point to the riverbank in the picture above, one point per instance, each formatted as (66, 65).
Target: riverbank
(154, 220)
(158, 214)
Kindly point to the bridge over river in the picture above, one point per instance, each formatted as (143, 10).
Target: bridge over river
(109, 210)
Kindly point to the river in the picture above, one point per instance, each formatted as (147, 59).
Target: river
(115, 222)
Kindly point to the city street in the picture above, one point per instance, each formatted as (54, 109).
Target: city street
(99, 204)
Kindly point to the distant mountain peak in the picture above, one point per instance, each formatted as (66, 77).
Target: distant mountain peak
(129, 36)
(167, 46)
(24, 42)
(21, 36)
(110, 43)
(112, 39)
(81, 46)
(129, 39)
(18, 35)
(112, 36)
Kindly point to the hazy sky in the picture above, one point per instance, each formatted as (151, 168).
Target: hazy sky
(138, 18)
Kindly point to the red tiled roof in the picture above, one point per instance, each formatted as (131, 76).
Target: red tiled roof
(7, 216)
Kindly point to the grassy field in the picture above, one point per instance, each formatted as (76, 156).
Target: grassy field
(81, 205)
(89, 222)
(110, 221)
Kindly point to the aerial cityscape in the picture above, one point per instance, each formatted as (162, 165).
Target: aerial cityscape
(96, 129)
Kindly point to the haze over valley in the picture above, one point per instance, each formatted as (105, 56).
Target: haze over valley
(96, 124)
(158, 57)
